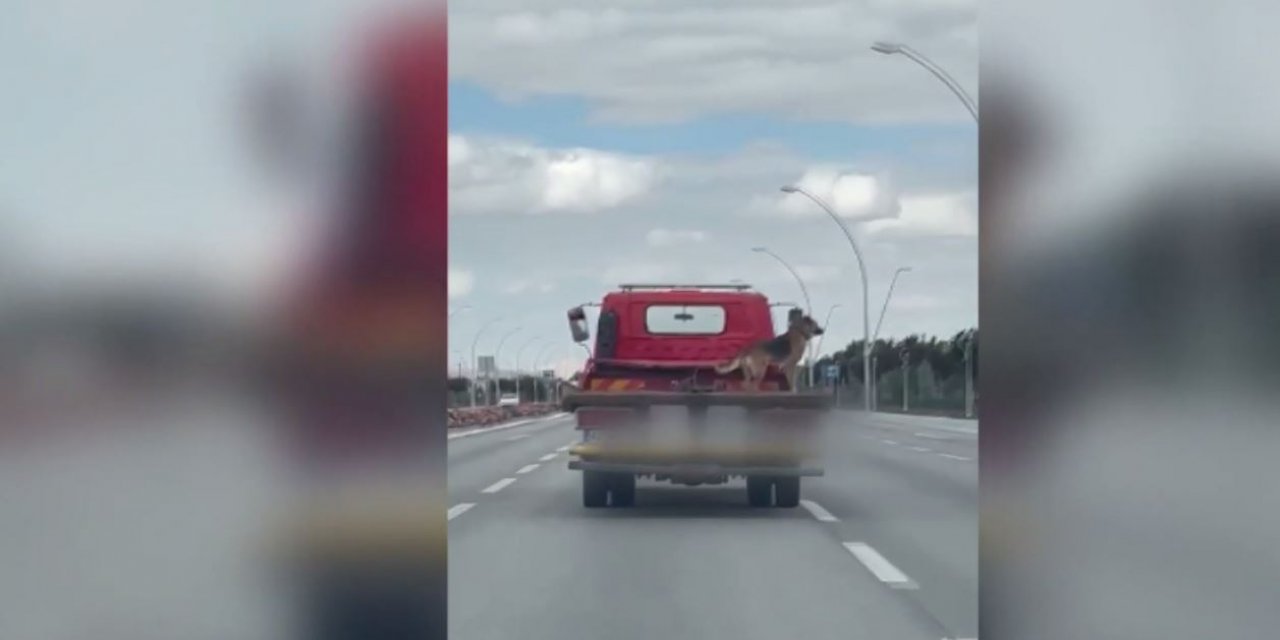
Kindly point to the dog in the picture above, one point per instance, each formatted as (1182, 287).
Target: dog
(784, 351)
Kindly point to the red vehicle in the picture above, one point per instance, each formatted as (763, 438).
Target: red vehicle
(650, 403)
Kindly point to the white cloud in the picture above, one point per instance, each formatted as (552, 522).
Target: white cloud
(818, 273)
(947, 214)
(528, 286)
(669, 237)
(857, 196)
(461, 283)
(640, 272)
(505, 176)
(654, 61)
(588, 256)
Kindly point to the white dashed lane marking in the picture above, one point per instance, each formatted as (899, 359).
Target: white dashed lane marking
(526, 469)
(820, 514)
(459, 509)
(921, 449)
(498, 486)
(879, 566)
(953, 457)
(547, 458)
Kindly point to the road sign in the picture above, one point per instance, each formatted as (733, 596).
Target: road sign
(548, 373)
(487, 367)
(833, 371)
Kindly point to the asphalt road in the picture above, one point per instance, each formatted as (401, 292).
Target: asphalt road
(886, 545)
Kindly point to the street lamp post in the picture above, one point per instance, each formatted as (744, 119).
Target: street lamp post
(808, 304)
(475, 367)
(876, 336)
(826, 322)
(890, 48)
(462, 308)
(497, 389)
(537, 365)
(968, 374)
(906, 363)
(518, 352)
(866, 311)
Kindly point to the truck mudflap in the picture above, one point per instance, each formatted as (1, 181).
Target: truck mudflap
(742, 399)
(701, 469)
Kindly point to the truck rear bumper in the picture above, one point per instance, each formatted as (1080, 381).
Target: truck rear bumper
(740, 399)
(685, 470)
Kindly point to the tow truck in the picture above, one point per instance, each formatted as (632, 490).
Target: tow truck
(650, 403)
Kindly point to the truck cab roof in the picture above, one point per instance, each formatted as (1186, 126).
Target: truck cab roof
(692, 324)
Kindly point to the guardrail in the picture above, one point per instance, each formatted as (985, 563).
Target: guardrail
(485, 416)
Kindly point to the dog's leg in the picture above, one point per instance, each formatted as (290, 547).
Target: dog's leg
(751, 376)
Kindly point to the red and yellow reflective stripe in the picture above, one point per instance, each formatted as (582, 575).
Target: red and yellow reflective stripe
(620, 384)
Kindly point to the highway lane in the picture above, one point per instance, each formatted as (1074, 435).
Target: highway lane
(886, 546)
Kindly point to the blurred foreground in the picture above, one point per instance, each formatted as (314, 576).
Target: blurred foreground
(222, 411)
(1129, 300)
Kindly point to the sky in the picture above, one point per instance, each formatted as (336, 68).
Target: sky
(599, 143)
(591, 143)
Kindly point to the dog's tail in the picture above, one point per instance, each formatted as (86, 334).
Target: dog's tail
(730, 366)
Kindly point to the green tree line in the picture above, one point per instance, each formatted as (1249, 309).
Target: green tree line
(945, 356)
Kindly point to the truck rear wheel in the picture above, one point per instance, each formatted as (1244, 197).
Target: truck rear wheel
(759, 491)
(623, 490)
(787, 491)
(595, 489)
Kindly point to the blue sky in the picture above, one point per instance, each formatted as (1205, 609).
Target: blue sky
(564, 121)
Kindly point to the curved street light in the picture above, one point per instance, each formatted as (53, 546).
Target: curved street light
(808, 304)
(901, 270)
(800, 281)
(546, 351)
(475, 367)
(497, 352)
(459, 309)
(862, 270)
(825, 323)
(890, 48)
(875, 394)
(518, 352)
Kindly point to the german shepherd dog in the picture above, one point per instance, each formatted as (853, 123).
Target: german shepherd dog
(784, 351)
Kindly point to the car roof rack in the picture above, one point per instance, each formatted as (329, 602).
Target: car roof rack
(731, 287)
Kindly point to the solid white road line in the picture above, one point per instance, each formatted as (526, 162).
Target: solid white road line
(961, 458)
(498, 486)
(526, 469)
(822, 515)
(879, 566)
(547, 458)
(502, 427)
(921, 449)
(459, 509)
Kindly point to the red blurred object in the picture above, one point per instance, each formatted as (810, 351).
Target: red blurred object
(366, 336)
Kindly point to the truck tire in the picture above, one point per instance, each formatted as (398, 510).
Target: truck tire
(759, 491)
(595, 489)
(623, 490)
(787, 491)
